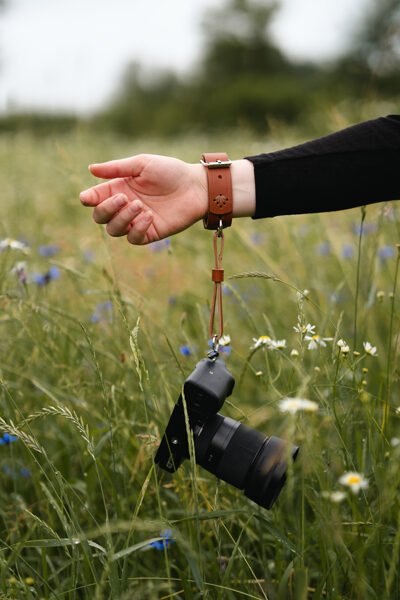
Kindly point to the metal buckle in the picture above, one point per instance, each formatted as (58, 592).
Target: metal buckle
(218, 164)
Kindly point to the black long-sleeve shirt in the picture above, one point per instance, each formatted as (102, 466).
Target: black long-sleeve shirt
(352, 167)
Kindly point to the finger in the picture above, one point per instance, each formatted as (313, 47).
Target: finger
(98, 193)
(105, 211)
(138, 231)
(123, 167)
(118, 224)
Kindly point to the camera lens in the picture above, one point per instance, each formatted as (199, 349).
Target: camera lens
(244, 458)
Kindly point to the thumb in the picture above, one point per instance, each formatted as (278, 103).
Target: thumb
(123, 167)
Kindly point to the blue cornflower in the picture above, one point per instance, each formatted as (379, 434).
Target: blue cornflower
(7, 439)
(43, 279)
(165, 542)
(348, 251)
(386, 252)
(107, 305)
(25, 472)
(101, 308)
(226, 290)
(185, 350)
(47, 251)
(324, 249)
(159, 245)
(88, 255)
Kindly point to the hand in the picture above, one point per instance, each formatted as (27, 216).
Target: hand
(148, 197)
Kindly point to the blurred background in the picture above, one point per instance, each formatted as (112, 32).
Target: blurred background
(165, 68)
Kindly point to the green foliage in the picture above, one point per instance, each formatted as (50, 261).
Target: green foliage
(88, 398)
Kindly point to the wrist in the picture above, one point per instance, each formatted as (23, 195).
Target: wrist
(243, 189)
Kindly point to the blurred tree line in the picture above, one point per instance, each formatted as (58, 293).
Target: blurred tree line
(243, 79)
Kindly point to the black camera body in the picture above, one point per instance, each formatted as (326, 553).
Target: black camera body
(232, 451)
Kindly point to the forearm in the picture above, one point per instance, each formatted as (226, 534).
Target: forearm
(358, 165)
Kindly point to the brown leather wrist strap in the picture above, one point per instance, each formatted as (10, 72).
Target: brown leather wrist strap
(219, 214)
(217, 277)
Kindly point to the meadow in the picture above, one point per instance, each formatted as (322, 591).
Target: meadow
(97, 338)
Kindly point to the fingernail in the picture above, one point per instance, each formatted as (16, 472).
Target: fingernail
(147, 217)
(120, 200)
(135, 206)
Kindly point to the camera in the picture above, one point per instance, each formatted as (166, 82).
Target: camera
(232, 451)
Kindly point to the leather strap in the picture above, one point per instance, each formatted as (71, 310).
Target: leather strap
(219, 190)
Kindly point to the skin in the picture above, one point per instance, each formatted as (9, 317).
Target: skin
(149, 197)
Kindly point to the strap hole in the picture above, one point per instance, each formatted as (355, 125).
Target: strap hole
(219, 176)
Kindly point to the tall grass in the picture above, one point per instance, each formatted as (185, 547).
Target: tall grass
(92, 363)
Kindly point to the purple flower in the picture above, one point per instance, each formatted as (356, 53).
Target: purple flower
(385, 252)
(42, 279)
(165, 542)
(47, 251)
(94, 318)
(7, 439)
(185, 350)
(159, 245)
(25, 472)
(324, 249)
(348, 251)
(88, 255)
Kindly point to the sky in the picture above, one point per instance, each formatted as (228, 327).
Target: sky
(69, 55)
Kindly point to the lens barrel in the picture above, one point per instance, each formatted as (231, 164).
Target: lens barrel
(244, 458)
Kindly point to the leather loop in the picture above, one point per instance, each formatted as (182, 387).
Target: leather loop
(219, 212)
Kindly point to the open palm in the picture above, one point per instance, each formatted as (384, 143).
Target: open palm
(147, 197)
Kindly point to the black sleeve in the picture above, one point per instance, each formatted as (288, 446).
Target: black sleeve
(356, 166)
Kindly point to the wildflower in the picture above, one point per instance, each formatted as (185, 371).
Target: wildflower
(225, 350)
(278, 344)
(223, 561)
(395, 441)
(20, 270)
(293, 405)
(324, 249)
(294, 353)
(185, 350)
(88, 255)
(29, 580)
(336, 496)
(25, 472)
(369, 349)
(355, 481)
(306, 293)
(13, 245)
(164, 542)
(172, 300)
(48, 251)
(365, 370)
(385, 252)
(101, 308)
(316, 340)
(397, 410)
(263, 340)
(344, 348)
(7, 439)
(380, 295)
(348, 251)
(303, 329)
(355, 353)
(363, 382)
(42, 279)
(159, 245)
(224, 340)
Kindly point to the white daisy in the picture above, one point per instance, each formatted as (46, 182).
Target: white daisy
(294, 353)
(263, 340)
(335, 496)
(369, 349)
(224, 340)
(309, 329)
(395, 441)
(13, 244)
(316, 340)
(293, 405)
(278, 344)
(355, 481)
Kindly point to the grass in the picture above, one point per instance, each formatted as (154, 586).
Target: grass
(91, 368)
